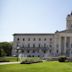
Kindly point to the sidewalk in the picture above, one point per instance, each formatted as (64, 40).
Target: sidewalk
(2, 63)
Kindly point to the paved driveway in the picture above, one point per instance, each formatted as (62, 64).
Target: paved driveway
(2, 63)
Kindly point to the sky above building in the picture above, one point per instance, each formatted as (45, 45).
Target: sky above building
(32, 16)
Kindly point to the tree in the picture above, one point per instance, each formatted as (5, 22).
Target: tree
(2, 53)
(5, 47)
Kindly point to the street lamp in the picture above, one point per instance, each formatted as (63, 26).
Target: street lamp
(17, 52)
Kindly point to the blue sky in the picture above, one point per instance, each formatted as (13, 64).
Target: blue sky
(32, 16)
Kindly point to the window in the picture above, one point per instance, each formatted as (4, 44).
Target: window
(57, 46)
(50, 50)
(50, 45)
(39, 45)
(29, 56)
(71, 26)
(33, 45)
(17, 39)
(29, 45)
(44, 45)
(23, 46)
(71, 45)
(27, 51)
(38, 55)
(33, 51)
(28, 39)
(57, 51)
(22, 50)
(44, 51)
(34, 39)
(23, 39)
(17, 45)
(39, 39)
(66, 44)
(38, 51)
(71, 51)
(44, 39)
(50, 39)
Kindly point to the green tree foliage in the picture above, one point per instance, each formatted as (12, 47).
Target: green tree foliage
(2, 53)
(5, 48)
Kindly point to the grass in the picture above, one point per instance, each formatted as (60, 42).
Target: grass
(38, 67)
(10, 59)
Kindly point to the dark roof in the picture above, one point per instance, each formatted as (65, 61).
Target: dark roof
(33, 34)
(65, 31)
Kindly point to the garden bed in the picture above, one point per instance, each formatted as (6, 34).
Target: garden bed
(31, 60)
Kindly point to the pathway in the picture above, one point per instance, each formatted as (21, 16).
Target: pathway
(3, 63)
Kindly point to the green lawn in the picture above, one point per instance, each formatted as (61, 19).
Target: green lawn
(10, 59)
(38, 67)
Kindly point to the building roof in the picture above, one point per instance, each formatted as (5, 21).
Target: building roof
(65, 31)
(33, 34)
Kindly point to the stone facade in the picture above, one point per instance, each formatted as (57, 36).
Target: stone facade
(45, 44)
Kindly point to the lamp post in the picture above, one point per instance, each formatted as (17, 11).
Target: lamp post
(17, 52)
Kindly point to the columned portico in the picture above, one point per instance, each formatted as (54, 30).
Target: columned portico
(65, 45)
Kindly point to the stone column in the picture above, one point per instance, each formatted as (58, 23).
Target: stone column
(65, 46)
(62, 45)
(59, 42)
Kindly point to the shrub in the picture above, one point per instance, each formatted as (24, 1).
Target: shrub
(69, 59)
(62, 59)
(52, 59)
(31, 60)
